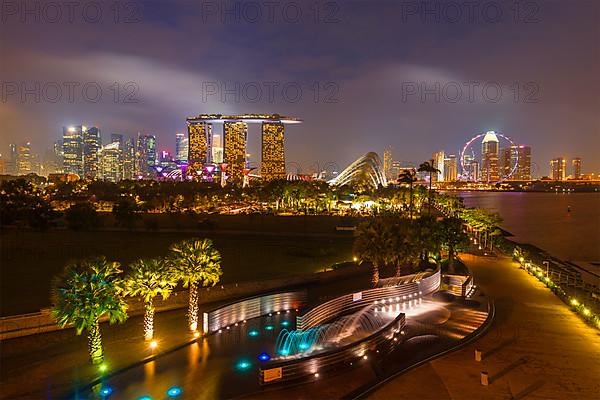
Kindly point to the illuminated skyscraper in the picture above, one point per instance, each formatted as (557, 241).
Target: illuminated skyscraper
(73, 150)
(181, 147)
(146, 156)
(25, 159)
(450, 168)
(558, 167)
(234, 149)
(519, 156)
(273, 152)
(489, 157)
(387, 164)
(91, 146)
(198, 144)
(111, 166)
(438, 163)
(576, 166)
(217, 149)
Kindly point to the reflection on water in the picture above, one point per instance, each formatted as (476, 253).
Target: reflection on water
(565, 225)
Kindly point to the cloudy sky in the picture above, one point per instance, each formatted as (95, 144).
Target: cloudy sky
(362, 75)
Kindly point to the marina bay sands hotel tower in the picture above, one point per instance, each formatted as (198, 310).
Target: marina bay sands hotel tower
(228, 151)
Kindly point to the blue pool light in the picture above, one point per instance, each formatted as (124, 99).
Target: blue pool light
(264, 357)
(269, 327)
(174, 391)
(145, 398)
(284, 352)
(253, 333)
(285, 323)
(105, 391)
(243, 365)
(304, 346)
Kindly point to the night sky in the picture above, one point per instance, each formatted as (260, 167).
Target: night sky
(365, 55)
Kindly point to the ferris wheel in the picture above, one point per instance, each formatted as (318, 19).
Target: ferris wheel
(470, 155)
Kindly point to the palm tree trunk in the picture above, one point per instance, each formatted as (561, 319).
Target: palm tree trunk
(149, 321)
(411, 202)
(95, 343)
(398, 269)
(374, 275)
(193, 306)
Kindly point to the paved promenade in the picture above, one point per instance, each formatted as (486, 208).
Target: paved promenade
(536, 349)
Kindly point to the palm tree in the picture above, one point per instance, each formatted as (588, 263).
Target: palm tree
(406, 250)
(408, 176)
(148, 279)
(87, 291)
(374, 244)
(195, 262)
(452, 236)
(429, 168)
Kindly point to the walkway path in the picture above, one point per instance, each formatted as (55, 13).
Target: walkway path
(536, 349)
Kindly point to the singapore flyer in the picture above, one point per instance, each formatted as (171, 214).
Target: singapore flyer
(480, 158)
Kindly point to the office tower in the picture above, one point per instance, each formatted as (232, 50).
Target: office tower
(198, 144)
(146, 156)
(450, 168)
(387, 164)
(438, 163)
(217, 149)
(234, 146)
(73, 150)
(165, 159)
(517, 158)
(10, 166)
(91, 146)
(52, 162)
(396, 170)
(558, 168)
(181, 147)
(576, 166)
(24, 159)
(128, 155)
(111, 166)
(474, 168)
(273, 151)
(489, 157)
(116, 138)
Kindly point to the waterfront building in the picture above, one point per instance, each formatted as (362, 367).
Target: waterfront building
(387, 163)
(273, 151)
(111, 166)
(181, 147)
(450, 168)
(24, 157)
(489, 157)
(10, 162)
(437, 160)
(576, 167)
(146, 156)
(198, 144)
(517, 158)
(558, 167)
(235, 135)
(91, 146)
(475, 170)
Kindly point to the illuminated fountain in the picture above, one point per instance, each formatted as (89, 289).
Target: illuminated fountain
(344, 330)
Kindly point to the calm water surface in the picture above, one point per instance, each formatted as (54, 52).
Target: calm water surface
(543, 219)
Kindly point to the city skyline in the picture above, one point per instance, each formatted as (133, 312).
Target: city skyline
(356, 75)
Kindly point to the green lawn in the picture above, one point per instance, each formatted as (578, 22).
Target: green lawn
(29, 260)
